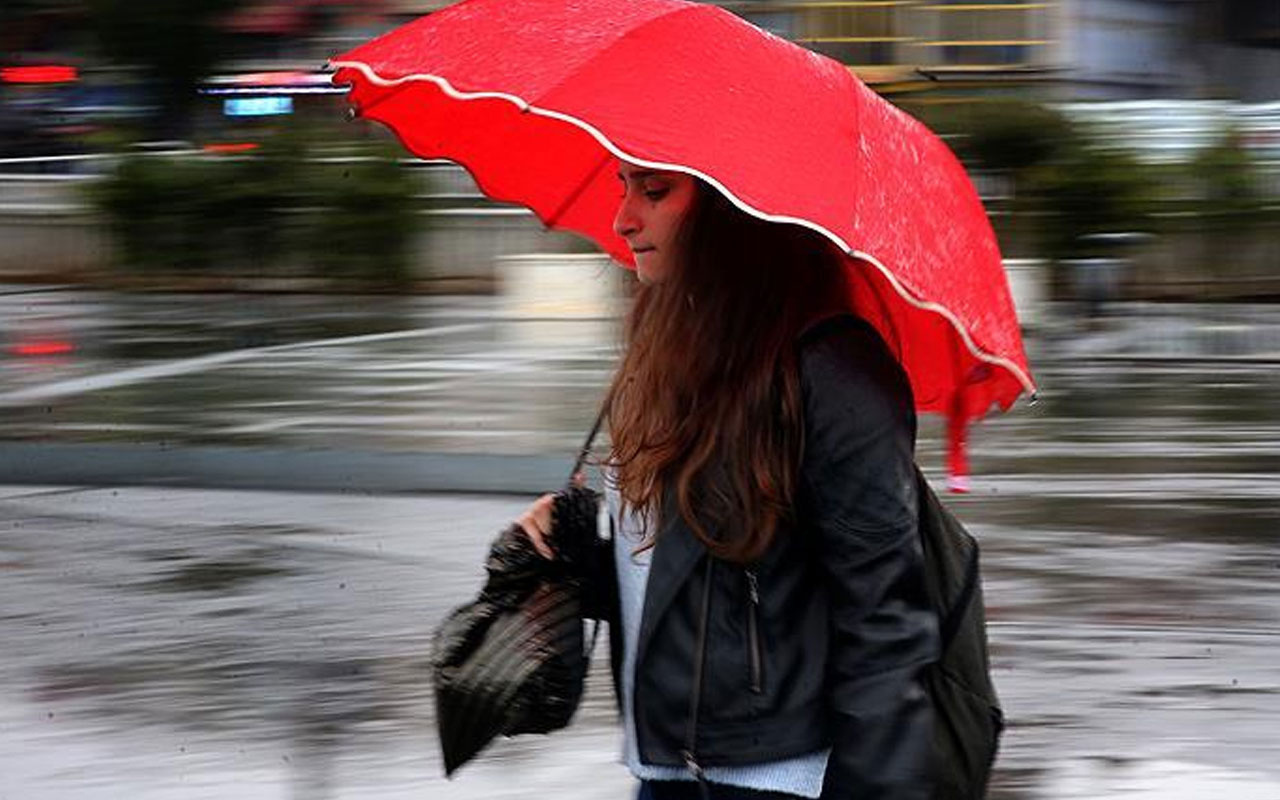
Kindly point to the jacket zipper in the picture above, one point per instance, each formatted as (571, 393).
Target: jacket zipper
(691, 732)
(753, 630)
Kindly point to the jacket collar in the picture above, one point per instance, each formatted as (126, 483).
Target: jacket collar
(821, 324)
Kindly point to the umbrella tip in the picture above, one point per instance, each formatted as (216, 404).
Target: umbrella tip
(1034, 398)
(958, 484)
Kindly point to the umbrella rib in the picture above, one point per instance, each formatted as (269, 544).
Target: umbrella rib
(630, 33)
(573, 196)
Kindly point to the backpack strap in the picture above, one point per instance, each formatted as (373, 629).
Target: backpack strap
(950, 625)
(939, 529)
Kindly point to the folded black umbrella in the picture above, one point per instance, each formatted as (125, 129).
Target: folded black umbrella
(514, 660)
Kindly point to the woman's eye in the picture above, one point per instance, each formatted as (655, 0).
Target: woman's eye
(655, 195)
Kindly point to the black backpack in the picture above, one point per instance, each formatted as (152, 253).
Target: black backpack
(967, 715)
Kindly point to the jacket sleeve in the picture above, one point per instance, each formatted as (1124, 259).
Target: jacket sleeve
(859, 497)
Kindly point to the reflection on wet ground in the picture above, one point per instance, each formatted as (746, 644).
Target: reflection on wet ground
(168, 643)
(408, 374)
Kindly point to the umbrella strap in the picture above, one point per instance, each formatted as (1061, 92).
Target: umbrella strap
(595, 428)
(577, 465)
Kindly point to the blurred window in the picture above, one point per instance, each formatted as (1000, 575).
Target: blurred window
(778, 22)
(856, 53)
(854, 33)
(984, 55)
(984, 33)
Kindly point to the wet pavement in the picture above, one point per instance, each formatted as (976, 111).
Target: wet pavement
(407, 374)
(190, 644)
(175, 643)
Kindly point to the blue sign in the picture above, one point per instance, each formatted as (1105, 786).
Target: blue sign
(256, 106)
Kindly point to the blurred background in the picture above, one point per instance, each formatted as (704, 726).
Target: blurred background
(269, 387)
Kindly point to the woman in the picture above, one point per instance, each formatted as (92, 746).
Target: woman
(766, 575)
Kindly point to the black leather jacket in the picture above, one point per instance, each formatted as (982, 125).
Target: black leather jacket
(821, 642)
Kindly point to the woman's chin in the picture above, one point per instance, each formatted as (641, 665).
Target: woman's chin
(646, 270)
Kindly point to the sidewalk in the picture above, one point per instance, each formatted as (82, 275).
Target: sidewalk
(164, 644)
(180, 644)
(279, 469)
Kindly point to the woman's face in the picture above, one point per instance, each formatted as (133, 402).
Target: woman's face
(654, 204)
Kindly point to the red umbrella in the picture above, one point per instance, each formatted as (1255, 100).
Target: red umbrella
(539, 99)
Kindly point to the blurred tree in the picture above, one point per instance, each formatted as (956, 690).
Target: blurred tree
(1016, 140)
(278, 210)
(367, 220)
(1089, 192)
(175, 45)
(1232, 209)
(1084, 191)
(1225, 177)
(1014, 136)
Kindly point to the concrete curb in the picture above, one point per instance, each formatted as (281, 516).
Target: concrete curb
(210, 467)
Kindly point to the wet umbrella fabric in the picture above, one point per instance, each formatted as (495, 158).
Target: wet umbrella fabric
(539, 99)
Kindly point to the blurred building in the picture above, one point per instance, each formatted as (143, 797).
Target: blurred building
(1052, 50)
(301, 34)
(1242, 54)
(1055, 50)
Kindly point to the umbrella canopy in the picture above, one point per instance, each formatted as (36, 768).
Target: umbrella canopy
(540, 99)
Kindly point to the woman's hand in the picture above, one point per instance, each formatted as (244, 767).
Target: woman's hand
(536, 520)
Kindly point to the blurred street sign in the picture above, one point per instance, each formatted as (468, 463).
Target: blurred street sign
(257, 106)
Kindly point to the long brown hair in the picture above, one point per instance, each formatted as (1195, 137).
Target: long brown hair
(706, 412)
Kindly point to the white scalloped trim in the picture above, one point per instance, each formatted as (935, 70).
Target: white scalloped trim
(526, 107)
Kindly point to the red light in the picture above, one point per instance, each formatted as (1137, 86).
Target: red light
(49, 348)
(45, 74)
(237, 147)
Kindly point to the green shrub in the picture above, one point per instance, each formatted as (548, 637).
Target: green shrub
(365, 220)
(1224, 177)
(1089, 191)
(271, 211)
(1014, 136)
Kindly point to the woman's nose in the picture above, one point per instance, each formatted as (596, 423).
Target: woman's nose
(625, 222)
